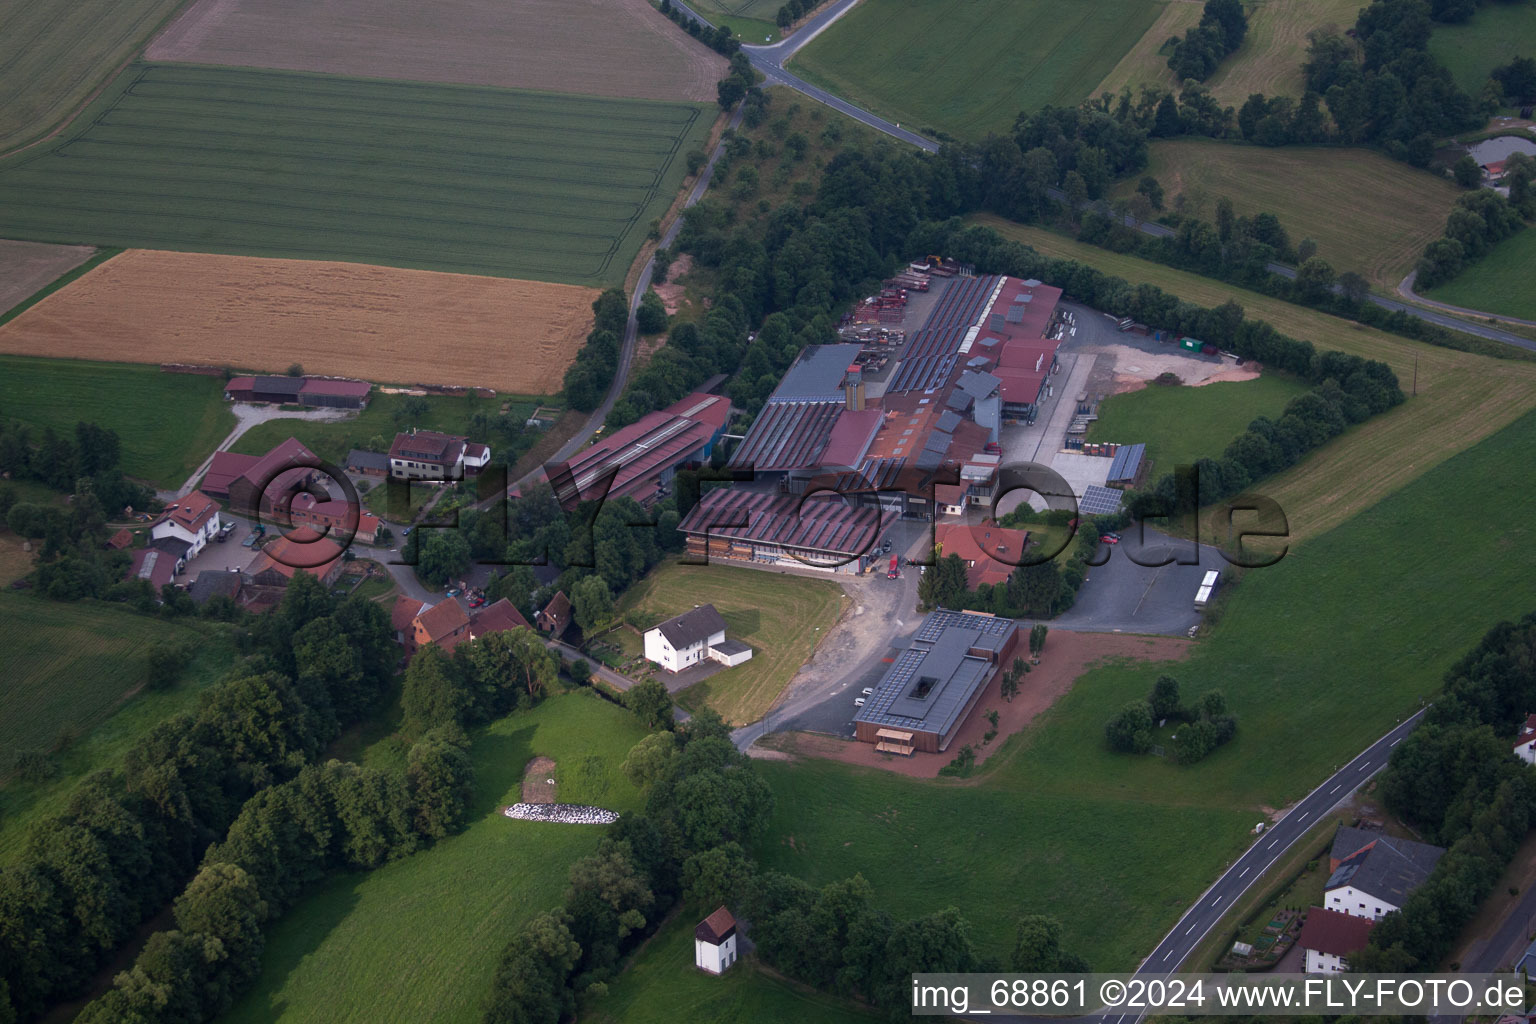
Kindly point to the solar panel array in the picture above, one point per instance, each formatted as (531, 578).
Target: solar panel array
(933, 350)
(1099, 501)
(935, 624)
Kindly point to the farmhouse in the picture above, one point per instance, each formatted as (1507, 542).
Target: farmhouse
(333, 514)
(1373, 873)
(327, 392)
(714, 942)
(990, 552)
(766, 529)
(447, 624)
(193, 520)
(688, 639)
(302, 550)
(932, 686)
(1330, 937)
(429, 455)
(640, 460)
(1525, 743)
(556, 618)
(253, 483)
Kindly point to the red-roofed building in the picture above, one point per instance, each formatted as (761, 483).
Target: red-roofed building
(447, 624)
(334, 392)
(990, 552)
(330, 392)
(643, 457)
(331, 516)
(121, 539)
(1329, 938)
(254, 484)
(440, 624)
(402, 615)
(156, 567)
(302, 550)
(850, 438)
(1525, 744)
(194, 519)
(494, 618)
(430, 455)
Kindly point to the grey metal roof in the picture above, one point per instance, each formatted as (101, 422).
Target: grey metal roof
(278, 385)
(730, 647)
(359, 459)
(817, 375)
(210, 583)
(788, 435)
(930, 683)
(691, 627)
(948, 421)
(978, 385)
(173, 546)
(1127, 462)
(1388, 869)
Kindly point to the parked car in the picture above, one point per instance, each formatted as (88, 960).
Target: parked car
(453, 591)
(405, 532)
(1110, 539)
(859, 702)
(868, 690)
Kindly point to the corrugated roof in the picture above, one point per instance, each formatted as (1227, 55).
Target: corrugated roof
(788, 435)
(825, 526)
(817, 375)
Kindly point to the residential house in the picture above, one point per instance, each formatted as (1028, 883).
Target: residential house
(402, 616)
(332, 516)
(1525, 743)
(714, 942)
(429, 455)
(211, 583)
(447, 624)
(1373, 873)
(193, 519)
(990, 552)
(688, 639)
(1329, 938)
(302, 550)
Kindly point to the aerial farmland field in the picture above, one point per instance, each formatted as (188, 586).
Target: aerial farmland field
(1367, 213)
(408, 174)
(27, 266)
(601, 47)
(53, 54)
(969, 69)
(339, 319)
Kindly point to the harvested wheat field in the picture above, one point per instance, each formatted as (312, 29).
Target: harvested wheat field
(348, 319)
(25, 267)
(596, 47)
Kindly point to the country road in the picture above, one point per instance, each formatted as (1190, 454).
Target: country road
(1405, 289)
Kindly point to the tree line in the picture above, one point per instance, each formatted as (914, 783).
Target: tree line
(130, 837)
(720, 38)
(1480, 220)
(591, 373)
(1455, 780)
(1198, 54)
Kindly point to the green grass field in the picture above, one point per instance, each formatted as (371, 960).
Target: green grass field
(661, 986)
(780, 616)
(433, 177)
(1181, 424)
(1318, 656)
(69, 671)
(969, 69)
(1275, 47)
(1456, 398)
(1500, 282)
(1366, 212)
(53, 54)
(752, 20)
(168, 422)
(418, 939)
(378, 423)
(1494, 36)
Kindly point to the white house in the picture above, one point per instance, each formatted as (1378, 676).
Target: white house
(1525, 746)
(193, 519)
(714, 942)
(1373, 873)
(1329, 938)
(687, 639)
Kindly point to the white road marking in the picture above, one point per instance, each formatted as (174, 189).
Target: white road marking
(1272, 842)
(1189, 929)
(1334, 790)
(1303, 815)
(1168, 954)
(1395, 742)
(1241, 873)
(1215, 901)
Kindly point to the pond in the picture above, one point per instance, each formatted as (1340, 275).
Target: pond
(1491, 151)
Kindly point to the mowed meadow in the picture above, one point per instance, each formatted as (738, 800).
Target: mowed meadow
(433, 177)
(969, 69)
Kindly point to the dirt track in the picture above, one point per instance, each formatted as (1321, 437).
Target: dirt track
(26, 267)
(597, 47)
(346, 319)
(1067, 655)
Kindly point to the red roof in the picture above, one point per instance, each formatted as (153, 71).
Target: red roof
(427, 446)
(225, 469)
(121, 539)
(978, 546)
(1328, 931)
(192, 512)
(823, 526)
(850, 438)
(301, 549)
(344, 388)
(153, 565)
(642, 451)
(495, 618)
(1527, 732)
(716, 928)
(405, 610)
(949, 494)
(440, 621)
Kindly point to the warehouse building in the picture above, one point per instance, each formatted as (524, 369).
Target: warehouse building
(327, 392)
(767, 529)
(641, 459)
(933, 686)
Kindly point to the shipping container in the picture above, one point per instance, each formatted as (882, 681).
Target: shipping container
(1190, 344)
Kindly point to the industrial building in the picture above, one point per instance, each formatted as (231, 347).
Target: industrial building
(640, 460)
(981, 359)
(934, 685)
(771, 529)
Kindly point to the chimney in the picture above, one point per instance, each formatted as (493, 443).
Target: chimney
(853, 391)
